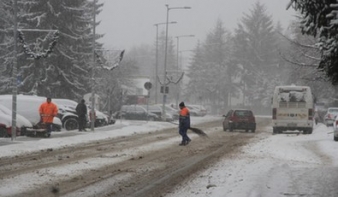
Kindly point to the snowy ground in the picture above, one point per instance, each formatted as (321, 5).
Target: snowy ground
(281, 165)
(288, 164)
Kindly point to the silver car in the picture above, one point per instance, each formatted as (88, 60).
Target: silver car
(335, 129)
(330, 116)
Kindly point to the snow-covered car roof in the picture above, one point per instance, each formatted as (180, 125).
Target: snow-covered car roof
(6, 118)
(99, 114)
(27, 106)
(65, 102)
(68, 103)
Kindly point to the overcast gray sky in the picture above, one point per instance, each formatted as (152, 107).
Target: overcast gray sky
(128, 23)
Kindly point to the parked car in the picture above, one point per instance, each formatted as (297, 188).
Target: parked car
(68, 117)
(175, 112)
(70, 106)
(136, 112)
(239, 119)
(335, 129)
(111, 119)
(101, 119)
(156, 109)
(330, 116)
(28, 107)
(197, 110)
(6, 123)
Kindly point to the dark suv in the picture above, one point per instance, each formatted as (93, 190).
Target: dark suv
(239, 119)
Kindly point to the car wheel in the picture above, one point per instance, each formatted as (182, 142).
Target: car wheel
(307, 131)
(224, 129)
(274, 130)
(23, 131)
(246, 130)
(231, 128)
(3, 132)
(335, 138)
(253, 130)
(71, 124)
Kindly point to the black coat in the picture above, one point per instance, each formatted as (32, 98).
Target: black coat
(81, 109)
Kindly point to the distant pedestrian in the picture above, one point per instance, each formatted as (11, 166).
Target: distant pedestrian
(48, 111)
(184, 124)
(81, 111)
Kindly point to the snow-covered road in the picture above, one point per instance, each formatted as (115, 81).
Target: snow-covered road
(288, 164)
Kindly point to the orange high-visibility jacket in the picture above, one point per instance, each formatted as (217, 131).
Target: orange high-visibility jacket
(184, 118)
(48, 111)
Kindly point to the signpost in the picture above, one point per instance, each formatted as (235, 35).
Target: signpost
(147, 86)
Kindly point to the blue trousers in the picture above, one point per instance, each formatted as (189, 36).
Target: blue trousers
(49, 127)
(183, 132)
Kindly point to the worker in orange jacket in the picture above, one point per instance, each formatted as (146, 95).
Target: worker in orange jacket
(48, 111)
(184, 124)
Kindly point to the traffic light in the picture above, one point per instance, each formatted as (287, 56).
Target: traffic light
(166, 89)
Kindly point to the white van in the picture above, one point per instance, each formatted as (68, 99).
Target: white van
(292, 109)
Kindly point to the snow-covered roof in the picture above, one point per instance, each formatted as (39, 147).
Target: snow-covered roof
(6, 118)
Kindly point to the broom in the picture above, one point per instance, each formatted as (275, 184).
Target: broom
(198, 132)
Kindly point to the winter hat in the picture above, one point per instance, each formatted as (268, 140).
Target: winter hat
(82, 101)
(182, 104)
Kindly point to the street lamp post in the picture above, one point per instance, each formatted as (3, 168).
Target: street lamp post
(14, 76)
(178, 84)
(178, 38)
(165, 58)
(156, 58)
(92, 112)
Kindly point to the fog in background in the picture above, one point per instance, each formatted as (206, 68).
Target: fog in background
(128, 23)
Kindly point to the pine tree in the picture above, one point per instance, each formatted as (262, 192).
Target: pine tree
(257, 53)
(304, 55)
(6, 46)
(66, 72)
(209, 72)
(319, 18)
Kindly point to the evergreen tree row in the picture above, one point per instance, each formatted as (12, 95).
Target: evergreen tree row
(54, 47)
(244, 65)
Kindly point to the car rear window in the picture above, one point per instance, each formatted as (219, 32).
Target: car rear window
(333, 110)
(243, 113)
